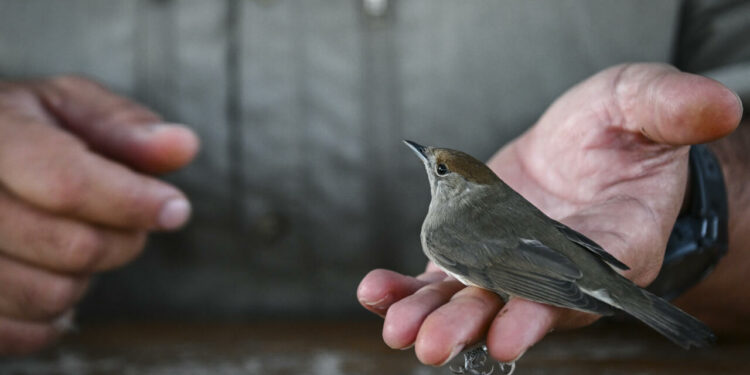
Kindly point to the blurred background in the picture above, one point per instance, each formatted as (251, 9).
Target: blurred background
(303, 185)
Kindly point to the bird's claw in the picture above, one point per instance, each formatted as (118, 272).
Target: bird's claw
(475, 364)
(507, 368)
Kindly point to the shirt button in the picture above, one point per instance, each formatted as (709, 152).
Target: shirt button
(270, 227)
(375, 8)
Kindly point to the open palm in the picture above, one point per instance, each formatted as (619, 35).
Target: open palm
(609, 159)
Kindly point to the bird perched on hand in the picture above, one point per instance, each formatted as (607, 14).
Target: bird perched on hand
(485, 234)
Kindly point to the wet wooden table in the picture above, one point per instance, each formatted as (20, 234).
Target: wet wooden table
(352, 347)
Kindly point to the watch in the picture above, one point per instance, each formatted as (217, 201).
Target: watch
(700, 236)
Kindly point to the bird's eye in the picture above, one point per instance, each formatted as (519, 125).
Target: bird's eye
(441, 169)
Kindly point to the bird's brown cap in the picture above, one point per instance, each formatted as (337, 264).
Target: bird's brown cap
(465, 165)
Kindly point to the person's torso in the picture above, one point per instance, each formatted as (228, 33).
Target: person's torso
(303, 184)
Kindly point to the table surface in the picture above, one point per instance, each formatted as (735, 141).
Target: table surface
(352, 347)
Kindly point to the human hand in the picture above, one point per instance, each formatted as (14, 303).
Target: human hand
(608, 159)
(76, 196)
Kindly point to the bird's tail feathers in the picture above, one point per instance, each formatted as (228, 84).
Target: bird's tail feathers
(673, 323)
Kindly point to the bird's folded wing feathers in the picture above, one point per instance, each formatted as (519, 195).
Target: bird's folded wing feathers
(527, 269)
(548, 290)
(590, 245)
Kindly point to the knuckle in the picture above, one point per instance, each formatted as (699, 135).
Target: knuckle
(83, 250)
(125, 111)
(15, 95)
(72, 81)
(116, 109)
(64, 190)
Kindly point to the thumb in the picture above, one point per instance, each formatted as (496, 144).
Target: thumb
(117, 127)
(673, 107)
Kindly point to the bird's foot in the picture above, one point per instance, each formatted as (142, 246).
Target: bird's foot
(507, 368)
(475, 363)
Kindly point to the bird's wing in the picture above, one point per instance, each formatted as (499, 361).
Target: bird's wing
(589, 245)
(526, 268)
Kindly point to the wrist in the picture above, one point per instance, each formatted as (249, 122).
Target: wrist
(699, 238)
(721, 300)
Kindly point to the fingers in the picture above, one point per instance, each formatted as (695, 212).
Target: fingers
(672, 107)
(34, 294)
(437, 314)
(52, 170)
(653, 100)
(61, 244)
(518, 326)
(117, 127)
(440, 317)
(380, 288)
(521, 324)
(22, 337)
(405, 317)
(456, 325)
(66, 211)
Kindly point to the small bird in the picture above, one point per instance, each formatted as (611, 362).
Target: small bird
(483, 233)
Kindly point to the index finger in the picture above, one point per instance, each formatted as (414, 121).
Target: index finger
(115, 126)
(51, 169)
(382, 288)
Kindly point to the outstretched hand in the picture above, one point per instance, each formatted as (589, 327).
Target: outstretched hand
(609, 159)
(76, 196)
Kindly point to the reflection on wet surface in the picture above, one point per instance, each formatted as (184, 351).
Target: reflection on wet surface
(332, 348)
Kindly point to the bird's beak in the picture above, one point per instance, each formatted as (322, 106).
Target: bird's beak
(418, 149)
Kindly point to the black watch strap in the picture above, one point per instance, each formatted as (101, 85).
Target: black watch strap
(700, 236)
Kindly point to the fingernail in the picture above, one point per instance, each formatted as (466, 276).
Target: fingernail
(456, 349)
(380, 306)
(174, 213)
(145, 132)
(155, 128)
(739, 100)
(376, 303)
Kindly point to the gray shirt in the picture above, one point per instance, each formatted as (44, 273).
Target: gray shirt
(303, 185)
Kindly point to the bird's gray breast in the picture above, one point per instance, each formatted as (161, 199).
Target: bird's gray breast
(464, 238)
